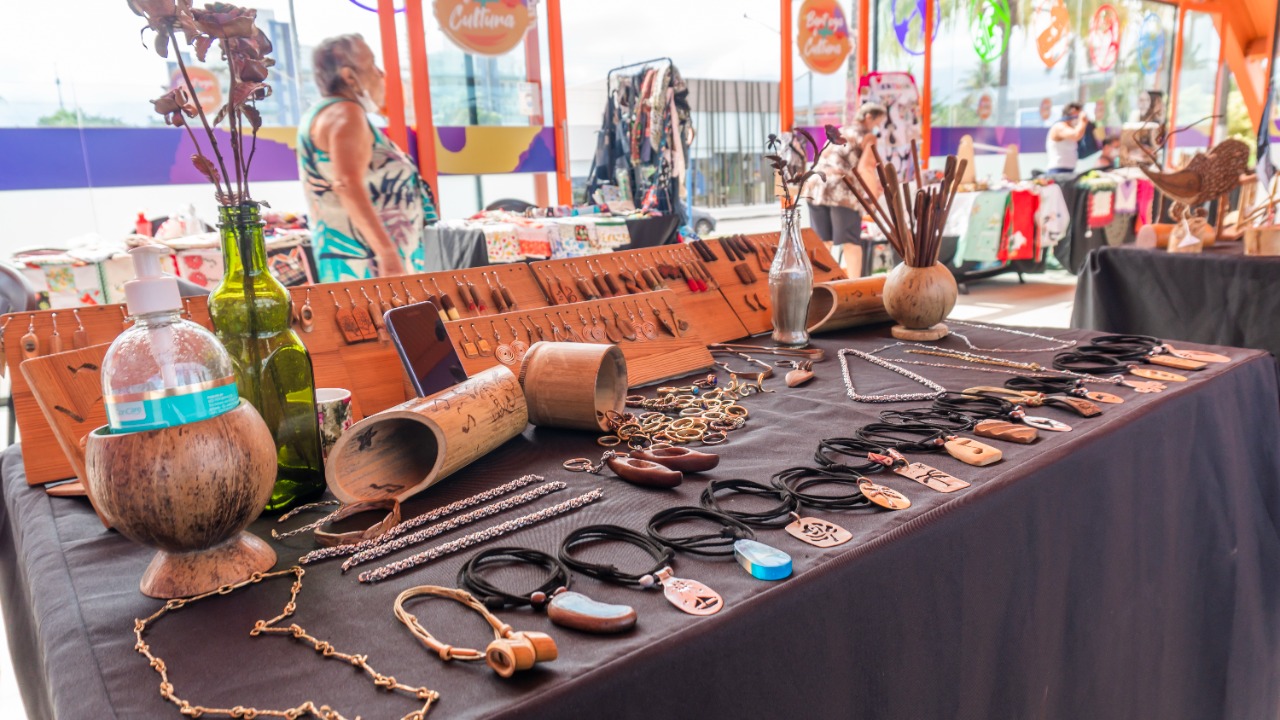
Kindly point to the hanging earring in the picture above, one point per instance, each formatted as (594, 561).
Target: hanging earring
(79, 338)
(368, 331)
(468, 347)
(386, 306)
(396, 301)
(747, 299)
(376, 315)
(30, 341)
(307, 316)
(518, 346)
(760, 302)
(346, 322)
(481, 343)
(408, 295)
(55, 337)
(501, 350)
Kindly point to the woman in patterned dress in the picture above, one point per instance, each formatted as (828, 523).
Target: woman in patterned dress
(368, 205)
(834, 212)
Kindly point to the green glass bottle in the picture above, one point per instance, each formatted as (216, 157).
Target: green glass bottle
(251, 311)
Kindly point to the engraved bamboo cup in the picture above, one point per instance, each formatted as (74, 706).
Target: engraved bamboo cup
(843, 304)
(401, 451)
(574, 385)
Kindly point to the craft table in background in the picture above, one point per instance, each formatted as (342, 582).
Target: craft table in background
(1128, 569)
(453, 248)
(1219, 296)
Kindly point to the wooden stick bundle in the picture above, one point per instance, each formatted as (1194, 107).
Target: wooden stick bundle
(913, 227)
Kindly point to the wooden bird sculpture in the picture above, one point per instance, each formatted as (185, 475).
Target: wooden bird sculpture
(1205, 178)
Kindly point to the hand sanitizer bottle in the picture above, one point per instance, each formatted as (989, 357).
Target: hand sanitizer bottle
(163, 371)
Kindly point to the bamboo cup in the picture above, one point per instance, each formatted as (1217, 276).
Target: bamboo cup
(573, 385)
(847, 303)
(400, 452)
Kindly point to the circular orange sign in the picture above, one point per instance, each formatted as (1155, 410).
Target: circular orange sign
(484, 27)
(1051, 27)
(207, 85)
(822, 36)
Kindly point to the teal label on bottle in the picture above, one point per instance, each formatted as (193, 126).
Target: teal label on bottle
(173, 406)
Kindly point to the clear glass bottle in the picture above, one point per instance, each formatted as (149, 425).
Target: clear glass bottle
(251, 312)
(791, 284)
(163, 371)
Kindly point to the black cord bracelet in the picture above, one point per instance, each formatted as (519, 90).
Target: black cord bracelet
(493, 597)
(927, 438)
(1045, 385)
(1120, 351)
(976, 406)
(716, 544)
(774, 517)
(609, 573)
(795, 481)
(948, 420)
(1147, 340)
(848, 447)
(1088, 363)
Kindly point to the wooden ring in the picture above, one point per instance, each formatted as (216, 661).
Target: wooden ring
(608, 440)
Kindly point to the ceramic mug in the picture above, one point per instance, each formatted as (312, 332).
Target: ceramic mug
(333, 410)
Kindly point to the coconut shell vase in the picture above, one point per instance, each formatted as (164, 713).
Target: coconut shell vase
(189, 491)
(919, 299)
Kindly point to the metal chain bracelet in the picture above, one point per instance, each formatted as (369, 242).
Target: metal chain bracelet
(475, 538)
(423, 519)
(426, 533)
(270, 627)
(852, 392)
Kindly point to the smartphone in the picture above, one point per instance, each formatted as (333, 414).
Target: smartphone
(425, 348)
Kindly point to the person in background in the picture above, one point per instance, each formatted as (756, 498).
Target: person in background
(1064, 135)
(1110, 153)
(834, 212)
(368, 205)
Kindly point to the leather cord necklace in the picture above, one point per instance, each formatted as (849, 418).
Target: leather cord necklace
(689, 596)
(1046, 384)
(775, 516)
(847, 447)
(563, 607)
(940, 419)
(797, 481)
(924, 438)
(1080, 361)
(733, 537)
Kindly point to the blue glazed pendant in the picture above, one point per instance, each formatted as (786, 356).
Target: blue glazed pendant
(762, 561)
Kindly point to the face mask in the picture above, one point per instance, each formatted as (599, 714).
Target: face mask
(876, 131)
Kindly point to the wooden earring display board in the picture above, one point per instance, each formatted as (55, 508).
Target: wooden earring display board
(707, 309)
(750, 300)
(648, 360)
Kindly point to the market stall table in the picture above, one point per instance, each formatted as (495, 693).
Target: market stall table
(459, 248)
(1219, 296)
(1126, 569)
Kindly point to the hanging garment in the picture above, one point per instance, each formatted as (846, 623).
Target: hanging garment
(961, 212)
(1146, 197)
(983, 238)
(1053, 215)
(1127, 197)
(1021, 242)
(1102, 208)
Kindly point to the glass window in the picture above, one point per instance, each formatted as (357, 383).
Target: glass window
(1198, 81)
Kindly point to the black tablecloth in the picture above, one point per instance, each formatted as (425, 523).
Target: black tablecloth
(1129, 569)
(1220, 296)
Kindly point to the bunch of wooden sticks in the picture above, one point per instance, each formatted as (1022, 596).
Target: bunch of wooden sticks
(913, 229)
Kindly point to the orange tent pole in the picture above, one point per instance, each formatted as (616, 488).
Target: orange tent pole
(786, 103)
(1174, 83)
(864, 37)
(533, 74)
(391, 64)
(1218, 108)
(926, 89)
(424, 124)
(559, 113)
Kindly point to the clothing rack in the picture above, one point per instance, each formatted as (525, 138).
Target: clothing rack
(643, 63)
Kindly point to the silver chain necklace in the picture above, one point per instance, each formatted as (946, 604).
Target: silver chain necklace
(852, 392)
(1058, 344)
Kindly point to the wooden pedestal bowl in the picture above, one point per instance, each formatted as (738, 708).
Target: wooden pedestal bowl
(920, 299)
(189, 491)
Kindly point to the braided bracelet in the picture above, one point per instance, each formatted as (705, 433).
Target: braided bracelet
(510, 650)
(475, 538)
(447, 510)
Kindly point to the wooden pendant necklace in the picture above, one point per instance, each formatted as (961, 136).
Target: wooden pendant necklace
(816, 532)
(734, 538)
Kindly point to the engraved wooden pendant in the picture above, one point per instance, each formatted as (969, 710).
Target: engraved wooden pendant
(1007, 431)
(1044, 423)
(1173, 361)
(972, 452)
(931, 477)
(1201, 355)
(818, 533)
(883, 495)
(1160, 375)
(1145, 386)
(1104, 397)
(579, 612)
(1079, 406)
(689, 596)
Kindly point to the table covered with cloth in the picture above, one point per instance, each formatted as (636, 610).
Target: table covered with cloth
(1127, 569)
(1218, 296)
(459, 248)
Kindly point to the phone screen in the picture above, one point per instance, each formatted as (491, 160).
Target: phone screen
(425, 348)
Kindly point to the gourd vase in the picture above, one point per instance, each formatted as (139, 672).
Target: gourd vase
(919, 299)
